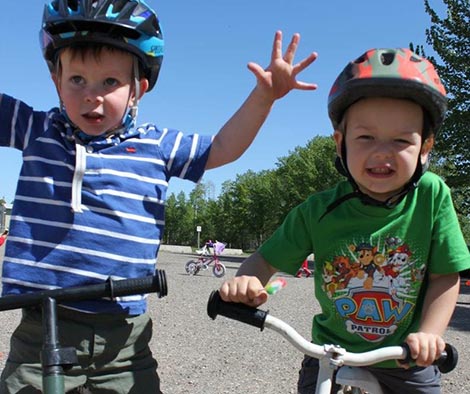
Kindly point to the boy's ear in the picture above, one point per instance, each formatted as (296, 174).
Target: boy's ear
(144, 85)
(338, 137)
(55, 79)
(426, 148)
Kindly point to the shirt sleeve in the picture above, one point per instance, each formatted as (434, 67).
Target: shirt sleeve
(449, 252)
(19, 123)
(290, 244)
(186, 155)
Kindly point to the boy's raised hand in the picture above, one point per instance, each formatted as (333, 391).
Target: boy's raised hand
(280, 77)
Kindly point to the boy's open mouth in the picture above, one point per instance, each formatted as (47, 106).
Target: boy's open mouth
(380, 171)
(94, 116)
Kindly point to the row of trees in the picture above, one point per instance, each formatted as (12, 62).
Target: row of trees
(449, 37)
(250, 207)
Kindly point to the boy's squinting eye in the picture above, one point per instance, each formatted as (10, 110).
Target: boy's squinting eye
(365, 137)
(402, 141)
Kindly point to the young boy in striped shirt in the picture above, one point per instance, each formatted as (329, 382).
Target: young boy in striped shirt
(91, 192)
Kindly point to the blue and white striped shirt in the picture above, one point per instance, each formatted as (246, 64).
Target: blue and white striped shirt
(86, 211)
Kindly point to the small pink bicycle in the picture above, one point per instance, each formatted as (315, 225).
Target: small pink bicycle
(202, 263)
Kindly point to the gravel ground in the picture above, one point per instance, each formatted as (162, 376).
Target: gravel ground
(198, 355)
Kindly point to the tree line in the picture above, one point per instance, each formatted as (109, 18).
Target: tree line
(250, 207)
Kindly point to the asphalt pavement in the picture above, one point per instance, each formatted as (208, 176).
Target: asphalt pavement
(200, 355)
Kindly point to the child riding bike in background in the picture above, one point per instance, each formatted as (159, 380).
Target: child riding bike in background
(387, 242)
(207, 249)
(304, 270)
(3, 237)
(91, 193)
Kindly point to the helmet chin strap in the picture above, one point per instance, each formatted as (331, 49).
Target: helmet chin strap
(135, 105)
(391, 202)
(130, 116)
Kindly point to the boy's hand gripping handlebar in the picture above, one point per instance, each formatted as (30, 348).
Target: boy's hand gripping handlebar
(261, 319)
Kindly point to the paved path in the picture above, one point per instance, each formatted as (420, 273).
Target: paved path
(198, 355)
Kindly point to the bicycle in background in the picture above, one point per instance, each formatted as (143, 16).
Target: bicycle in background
(349, 375)
(192, 267)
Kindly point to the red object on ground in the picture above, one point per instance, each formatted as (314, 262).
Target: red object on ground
(303, 270)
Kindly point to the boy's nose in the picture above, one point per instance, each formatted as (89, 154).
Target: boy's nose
(383, 149)
(93, 95)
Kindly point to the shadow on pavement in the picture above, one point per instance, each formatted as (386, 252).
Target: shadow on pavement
(461, 318)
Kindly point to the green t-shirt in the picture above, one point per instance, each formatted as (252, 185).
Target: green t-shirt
(371, 263)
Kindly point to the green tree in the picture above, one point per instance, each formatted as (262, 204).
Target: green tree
(198, 199)
(306, 170)
(228, 223)
(256, 207)
(179, 228)
(449, 36)
(254, 204)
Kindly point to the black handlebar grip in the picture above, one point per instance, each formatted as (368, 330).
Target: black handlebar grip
(446, 362)
(111, 288)
(236, 311)
(150, 284)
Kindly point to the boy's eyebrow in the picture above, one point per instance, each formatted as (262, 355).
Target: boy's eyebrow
(362, 127)
(112, 72)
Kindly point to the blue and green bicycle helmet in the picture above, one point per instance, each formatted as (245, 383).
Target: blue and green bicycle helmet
(130, 25)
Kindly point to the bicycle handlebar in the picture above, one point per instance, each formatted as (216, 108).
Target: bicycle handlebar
(111, 288)
(261, 319)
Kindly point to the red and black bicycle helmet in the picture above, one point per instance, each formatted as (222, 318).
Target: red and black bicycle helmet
(130, 25)
(396, 73)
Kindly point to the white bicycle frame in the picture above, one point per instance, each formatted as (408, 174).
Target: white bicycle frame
(331, 357)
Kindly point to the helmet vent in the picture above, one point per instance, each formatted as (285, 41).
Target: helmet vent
(119, 5)
(360, 59)
(62, 6)
(387, 58)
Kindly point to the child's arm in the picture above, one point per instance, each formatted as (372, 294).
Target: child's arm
(273, 83)
(427, 344)
(248, 286)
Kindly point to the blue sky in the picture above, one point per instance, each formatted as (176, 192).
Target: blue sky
(204, 78)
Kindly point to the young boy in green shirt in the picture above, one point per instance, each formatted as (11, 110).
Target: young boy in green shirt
(387, 242)
(92, 189)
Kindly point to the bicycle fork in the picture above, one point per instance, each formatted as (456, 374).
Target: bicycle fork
(346, 376)
(54, 358)
(329, 363)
